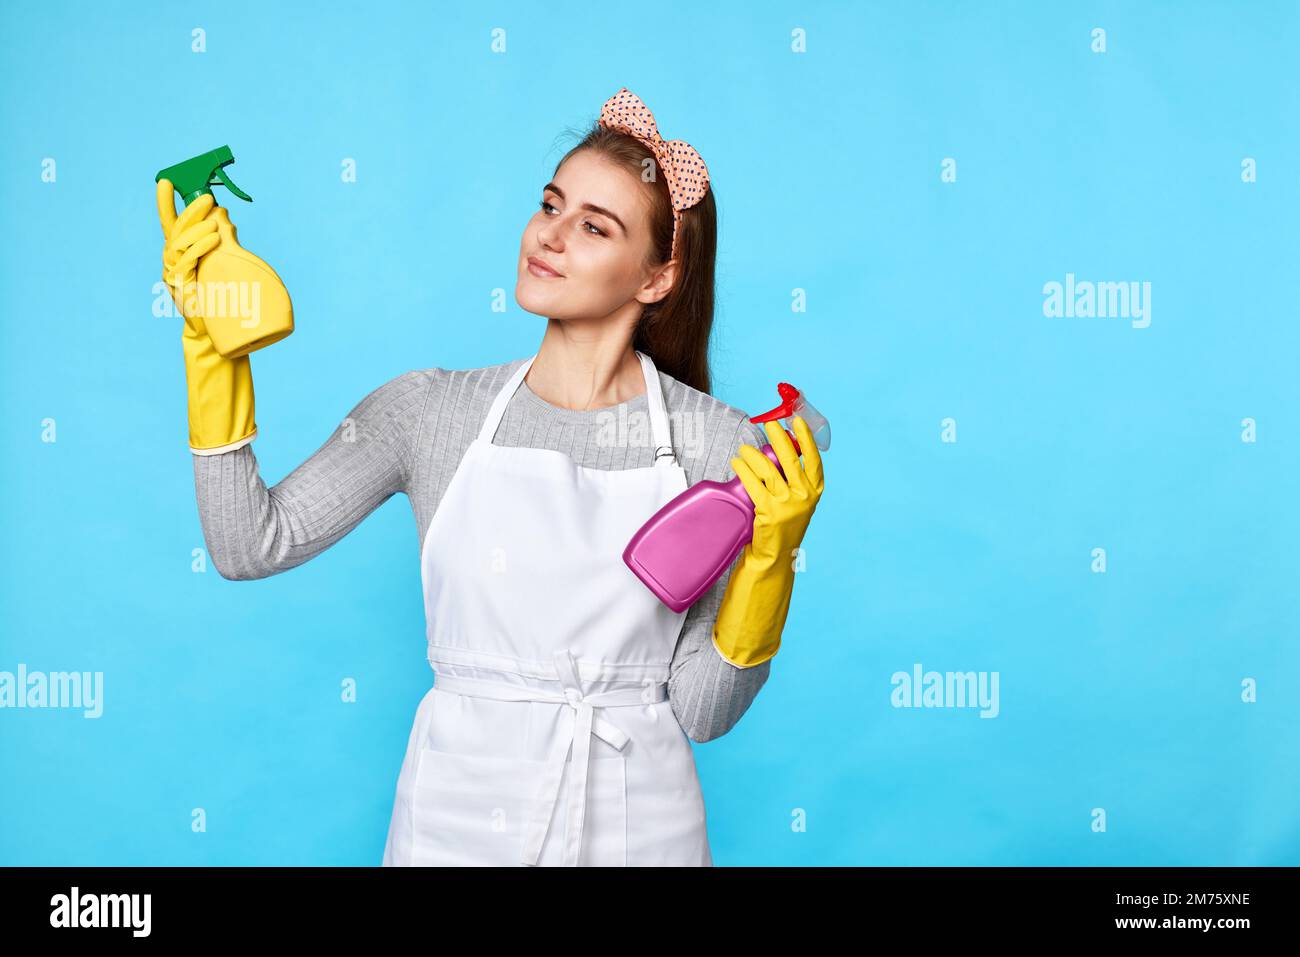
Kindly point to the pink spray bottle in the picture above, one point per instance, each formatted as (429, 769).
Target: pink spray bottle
(686, 546)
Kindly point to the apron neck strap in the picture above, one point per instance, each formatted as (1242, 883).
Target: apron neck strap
(664, 454)
(498, 407)
(654, 402)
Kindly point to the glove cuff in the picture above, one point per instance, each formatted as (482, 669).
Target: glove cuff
(226, 448)
(746, 657)
(221, 400)
(752, 616)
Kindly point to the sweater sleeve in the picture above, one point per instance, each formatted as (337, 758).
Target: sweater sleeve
(709, 694)
(255, 532)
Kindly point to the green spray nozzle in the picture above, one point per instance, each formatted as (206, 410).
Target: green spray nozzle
(194, 177)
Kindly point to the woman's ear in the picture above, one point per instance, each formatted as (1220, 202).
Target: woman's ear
(659, 284)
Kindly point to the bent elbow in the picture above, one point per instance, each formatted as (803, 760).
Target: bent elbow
(234, 573)
(239, 568)
(701, 727)
(702, 736)
(729, 703)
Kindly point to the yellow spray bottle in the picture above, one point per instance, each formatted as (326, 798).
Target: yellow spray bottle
(244, 304)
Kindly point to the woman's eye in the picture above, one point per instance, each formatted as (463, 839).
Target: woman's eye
(547, 207)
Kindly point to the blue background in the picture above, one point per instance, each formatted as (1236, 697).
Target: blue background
(1119, 691)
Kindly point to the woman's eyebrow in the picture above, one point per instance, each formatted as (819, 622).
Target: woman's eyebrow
(595, 209)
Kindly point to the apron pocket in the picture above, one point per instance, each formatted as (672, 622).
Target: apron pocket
(470, 809)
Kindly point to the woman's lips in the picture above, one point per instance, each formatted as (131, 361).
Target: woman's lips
(541, 270)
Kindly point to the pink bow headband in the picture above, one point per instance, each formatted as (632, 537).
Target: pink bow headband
(687, 176)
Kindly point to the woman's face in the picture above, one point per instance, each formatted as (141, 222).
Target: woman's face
(592, 226)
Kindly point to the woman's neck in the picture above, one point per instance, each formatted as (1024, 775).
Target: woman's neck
(579, 372)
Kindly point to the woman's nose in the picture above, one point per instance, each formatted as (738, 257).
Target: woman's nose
(548, 235)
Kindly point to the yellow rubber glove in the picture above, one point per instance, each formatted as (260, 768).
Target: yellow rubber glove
(753, 612)
(220, 390)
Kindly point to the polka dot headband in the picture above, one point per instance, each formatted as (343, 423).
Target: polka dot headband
(687, 176)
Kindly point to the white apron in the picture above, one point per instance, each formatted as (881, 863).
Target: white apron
(547, 737)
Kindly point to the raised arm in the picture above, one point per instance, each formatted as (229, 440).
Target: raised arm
(254, 532)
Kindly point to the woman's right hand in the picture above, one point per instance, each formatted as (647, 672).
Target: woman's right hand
(186, 239)
(221, 402)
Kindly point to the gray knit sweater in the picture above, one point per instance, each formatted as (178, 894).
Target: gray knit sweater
(409, 434)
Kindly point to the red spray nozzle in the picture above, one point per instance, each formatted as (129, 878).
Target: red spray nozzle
(789, 395)
(795, 402)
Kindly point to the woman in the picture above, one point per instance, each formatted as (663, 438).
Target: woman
(565, 696)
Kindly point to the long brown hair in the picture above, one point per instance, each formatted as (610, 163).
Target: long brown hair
(674, 331)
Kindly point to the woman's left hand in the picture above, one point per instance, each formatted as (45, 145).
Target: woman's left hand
(783, 507)
(752, 616)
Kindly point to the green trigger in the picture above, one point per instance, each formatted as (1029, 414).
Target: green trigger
(225, 181)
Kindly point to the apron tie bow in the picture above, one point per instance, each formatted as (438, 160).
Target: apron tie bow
(586, 722)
